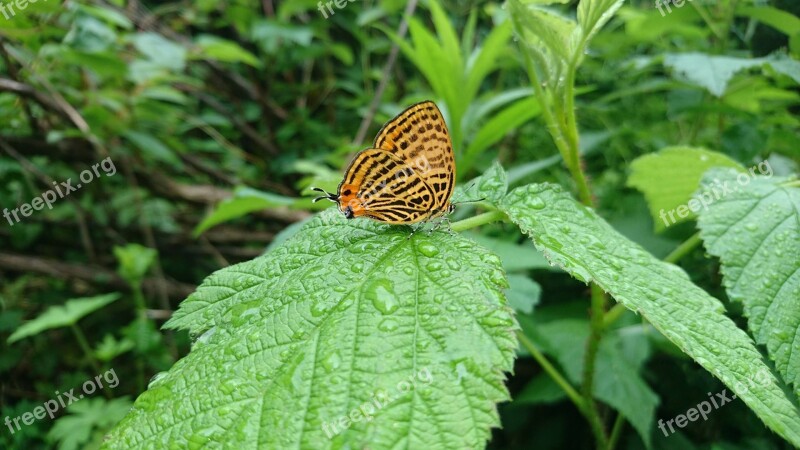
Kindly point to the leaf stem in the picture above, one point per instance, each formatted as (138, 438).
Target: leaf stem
(475, 221)
(84, 344)
(619, 423)
(573, 395)
(597, 323)
(683, 249)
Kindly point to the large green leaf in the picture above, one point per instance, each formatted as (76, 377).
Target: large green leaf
(576, 239)
(62, 316)
(321, 328)
(755, 231)
(670, 176)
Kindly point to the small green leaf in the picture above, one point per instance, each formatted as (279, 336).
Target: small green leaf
(244, 201)
(578, 240)
(272, 34)
(152, 147)
(593, 14)
(669, 177)
(515, 257)
(523, 293)
(491, 186)
(212, 47)
(160, 51)
(707, 71)
(499, 125)
(86, 418)
(547, 36)
(755, 231)
(323, 325)
(134, 262)
(783, 21)
(62, 316)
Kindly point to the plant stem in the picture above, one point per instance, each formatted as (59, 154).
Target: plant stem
(619, 423)
(683, 249)
(562, 125)
(87, 350)
(475, 221)
(597, 323)
(551, 370)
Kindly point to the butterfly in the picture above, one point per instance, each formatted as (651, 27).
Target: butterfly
(408, 174)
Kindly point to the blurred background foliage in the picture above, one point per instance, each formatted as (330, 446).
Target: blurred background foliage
(219, 115)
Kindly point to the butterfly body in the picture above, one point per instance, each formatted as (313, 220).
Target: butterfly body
(407, 176)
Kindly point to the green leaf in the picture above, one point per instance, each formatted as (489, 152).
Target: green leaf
(783, 21)
(515, 257)
(710, 72)
(616, 382)
(342, 314)
(271, 34)
(152, 147)
(498, 126)
(546, 36)
(592, 15)
(134, 262)
(541, 389)
(755, 231)
(160, 51)
(244, 201)
(212, 47)
(62, 316)
(578, 240)
(491, 186)
(523, 293)
(85, 418)
(669, 177)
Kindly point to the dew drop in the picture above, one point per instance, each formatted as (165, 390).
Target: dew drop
(332, 361)
(536, 203)
(453, 263)
(433, 266)
(388, 325)
(428, 249)
(381, 293)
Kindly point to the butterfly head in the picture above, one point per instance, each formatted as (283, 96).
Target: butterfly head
(349, 204)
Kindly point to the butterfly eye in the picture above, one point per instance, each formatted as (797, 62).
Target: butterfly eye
(348, 213)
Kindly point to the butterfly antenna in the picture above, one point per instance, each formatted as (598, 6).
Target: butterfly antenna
(473, 201)
(327, 196)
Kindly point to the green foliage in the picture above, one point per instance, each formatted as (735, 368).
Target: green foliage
(340, 311)
(754, 231)
(669, 177)
(219, 115)
(86, 422)
(456, 73)
(62, 316)
(574, 238)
